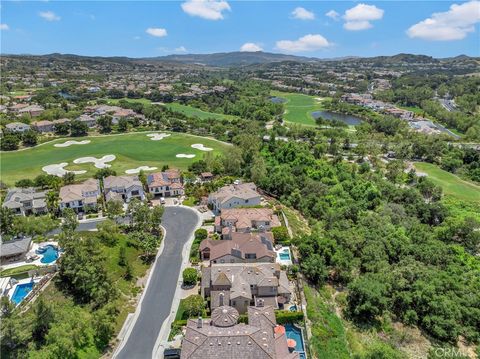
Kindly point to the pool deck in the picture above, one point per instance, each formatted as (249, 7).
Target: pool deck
(286, 262)
(30, 253)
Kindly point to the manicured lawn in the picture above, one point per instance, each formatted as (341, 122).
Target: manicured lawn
(185, 109)
(299, 107)
(132, 150)
(193, 111)
(139, 100)
(451, 184)
(13, 271)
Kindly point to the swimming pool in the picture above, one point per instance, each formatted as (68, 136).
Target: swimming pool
(285, 255)
(295, 333)
(49, 252)
(21, 292)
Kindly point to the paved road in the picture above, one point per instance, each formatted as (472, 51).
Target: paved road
(179, 223)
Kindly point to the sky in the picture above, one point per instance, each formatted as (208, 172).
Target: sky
(323, 29)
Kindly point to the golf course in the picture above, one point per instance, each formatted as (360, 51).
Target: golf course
(452, 185)
(185, 109)
(130, 150)
(299, 107)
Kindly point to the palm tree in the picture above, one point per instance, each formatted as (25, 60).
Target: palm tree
(52, 200)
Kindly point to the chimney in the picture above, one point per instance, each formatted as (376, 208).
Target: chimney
(199, 322)
(220, 297)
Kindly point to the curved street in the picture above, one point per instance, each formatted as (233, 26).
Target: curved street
(155, 306)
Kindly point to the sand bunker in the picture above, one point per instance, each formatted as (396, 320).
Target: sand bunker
(98, 162)
(69, 143)
(199, 146)
(183, 155)
(158, 136)
(138, 169)
(58, 170)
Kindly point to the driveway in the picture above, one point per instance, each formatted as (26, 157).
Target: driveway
(156, 303)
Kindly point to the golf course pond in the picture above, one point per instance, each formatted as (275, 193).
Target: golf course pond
(349, 120)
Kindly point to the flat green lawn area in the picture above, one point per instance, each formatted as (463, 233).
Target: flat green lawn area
(193, 111)
(185, 109)
(131, 150)
(451, 184)
(299, 107)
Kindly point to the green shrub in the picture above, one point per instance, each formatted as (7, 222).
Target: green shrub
(201, 234)
(286, 316)
(190, 276)
(280, 234)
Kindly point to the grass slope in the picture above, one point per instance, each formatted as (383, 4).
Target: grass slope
(132, 150)
(299, 107)
(451, 184)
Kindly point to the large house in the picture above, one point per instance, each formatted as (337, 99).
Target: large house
(17, 127)
(245, 284)
(234, 196)
(245, 220)
(15, 249)
(241, 248)
(80, 197)
(89, 121)
(222, 337)
(124, 187)
(44, 126)
(165, 184)
(31, 110)
(25, 201)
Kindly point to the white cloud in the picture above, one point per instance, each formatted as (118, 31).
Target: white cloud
(156, 31)
(333, 15)
(301, 13)
(453, 24)
(306, 43)
(250, 47)
(4, 27)
(49, 15)
(206, 9)
(357, 25)
(359, 17)
(181, 49)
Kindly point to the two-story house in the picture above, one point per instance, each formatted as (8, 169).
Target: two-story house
(44, 126)
(17, 127)
(245, 220)
(166, 184)
(126, 187)
(241, 248)
(23, 201)
(234, 196)
(80, 197)
(244, 284)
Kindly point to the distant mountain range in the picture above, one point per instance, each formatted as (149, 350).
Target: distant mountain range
(229, 59)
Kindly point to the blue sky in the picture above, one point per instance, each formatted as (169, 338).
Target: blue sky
(311, 28)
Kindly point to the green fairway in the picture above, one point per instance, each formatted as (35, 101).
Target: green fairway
(299, 107)
(451, 184)
(131, 150)
(193, 111)
(174, 106)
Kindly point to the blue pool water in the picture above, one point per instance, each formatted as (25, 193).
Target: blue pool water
(50, 254)
(295, 333)
(285, 255)
(293, 308)
(21, 292)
